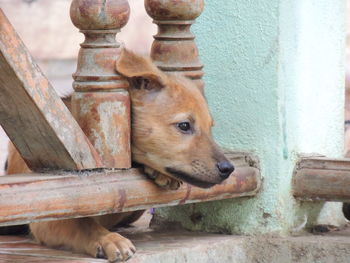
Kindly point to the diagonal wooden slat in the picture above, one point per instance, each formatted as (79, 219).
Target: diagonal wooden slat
(32, 114)
(28, 198)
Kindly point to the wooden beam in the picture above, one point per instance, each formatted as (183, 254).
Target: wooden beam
(322, 178)
(33, 115)
(28, 198)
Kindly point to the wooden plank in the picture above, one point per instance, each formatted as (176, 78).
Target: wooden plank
(322, 179)
(6, 258)
(33, 115)
(23, 250)
(67, 195)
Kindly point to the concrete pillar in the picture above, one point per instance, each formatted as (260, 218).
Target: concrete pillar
(274, 79)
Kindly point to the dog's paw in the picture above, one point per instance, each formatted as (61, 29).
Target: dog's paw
(151, 173)
(167, 182)
(175, 184)
(162, 180)
(114, 247)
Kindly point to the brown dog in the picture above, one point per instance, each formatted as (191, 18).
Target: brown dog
(171, 137)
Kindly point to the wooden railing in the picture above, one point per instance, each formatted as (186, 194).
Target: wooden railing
(33, 115)
(322, 179)
(60, 194)
(50, 139)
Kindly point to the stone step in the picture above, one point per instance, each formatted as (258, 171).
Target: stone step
(182, 246)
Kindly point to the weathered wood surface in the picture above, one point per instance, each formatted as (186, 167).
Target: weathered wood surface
(174, 49)
(322, 179)
(33, 115)
(23, 250)
(26, 198)
(101, 102)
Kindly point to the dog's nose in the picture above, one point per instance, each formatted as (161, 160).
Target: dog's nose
(225, 169)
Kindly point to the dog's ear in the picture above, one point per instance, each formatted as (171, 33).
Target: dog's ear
(140, 71)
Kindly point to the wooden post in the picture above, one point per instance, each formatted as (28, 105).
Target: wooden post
(100, 102)
(174, 48)
(32, 114)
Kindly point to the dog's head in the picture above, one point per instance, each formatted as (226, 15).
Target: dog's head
(171, 130)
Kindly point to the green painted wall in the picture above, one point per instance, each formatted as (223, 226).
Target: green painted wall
(274, 78)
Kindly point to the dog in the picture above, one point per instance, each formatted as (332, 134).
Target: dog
(171, 137)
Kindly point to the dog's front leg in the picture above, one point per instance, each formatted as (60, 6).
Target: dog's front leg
(84, 235)
(162, 180)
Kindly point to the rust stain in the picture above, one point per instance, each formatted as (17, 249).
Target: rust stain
(122, 199)
(239, 181)
(188, 193)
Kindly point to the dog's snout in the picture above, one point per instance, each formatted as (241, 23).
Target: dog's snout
(225, 169)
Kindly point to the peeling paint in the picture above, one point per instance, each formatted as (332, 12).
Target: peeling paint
(100, 102)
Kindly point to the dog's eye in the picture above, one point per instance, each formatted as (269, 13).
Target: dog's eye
(146, 84)
(184, 127)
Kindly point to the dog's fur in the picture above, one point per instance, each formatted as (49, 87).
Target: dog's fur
(170, 150)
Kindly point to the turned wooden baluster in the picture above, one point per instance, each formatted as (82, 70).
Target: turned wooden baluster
(174, 48)
(100, 102)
